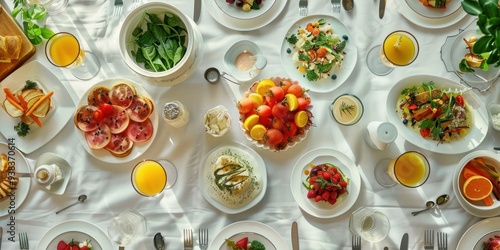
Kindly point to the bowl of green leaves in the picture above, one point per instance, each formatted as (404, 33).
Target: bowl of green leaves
(160, 43)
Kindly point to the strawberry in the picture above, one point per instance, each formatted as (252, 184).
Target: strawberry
(326, 196)
(242, 243)
(310, 194)
(84, 248)
(327, 175)
(75, 247)
(61, 245)
(318, 198)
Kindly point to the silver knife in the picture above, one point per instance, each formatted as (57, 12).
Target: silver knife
(404, 242)
(295, 236)
(1, 231)
(381, 9)
(197, 10)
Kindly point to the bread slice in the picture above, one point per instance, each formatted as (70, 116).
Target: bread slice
(10, 48)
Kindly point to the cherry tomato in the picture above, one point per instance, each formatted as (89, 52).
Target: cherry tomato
(279, 110)
(107, 109)
(285, 85)
(270, 101)
(424, 132)
(277, 123)
(412, 106)
(290, 129)
(266, 121)
(303, 103)
(273, 136)
(245, 105)
(277, 92)
(321, 52)
(460, 100)
(98, 115)
(296, 90)
(263, 111)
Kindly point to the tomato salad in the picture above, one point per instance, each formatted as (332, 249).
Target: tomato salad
(325, 182)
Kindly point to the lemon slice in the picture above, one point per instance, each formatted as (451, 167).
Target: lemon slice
(292, 102)
(301, 118)
(257, 132)
(257, 99)
(251, 121)
(264, 86)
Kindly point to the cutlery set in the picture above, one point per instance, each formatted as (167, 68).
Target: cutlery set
(347, 4)
(442, 241)
(187, 238)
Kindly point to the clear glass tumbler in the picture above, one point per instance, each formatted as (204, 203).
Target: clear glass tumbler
(370, 224)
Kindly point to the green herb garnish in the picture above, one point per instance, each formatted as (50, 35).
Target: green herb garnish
(30, 85)
(31, 15)
(345, 108)
(22, 129)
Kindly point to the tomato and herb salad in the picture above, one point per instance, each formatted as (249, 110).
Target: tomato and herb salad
(245, 244)
(437, 114)
(325, 182)
(317, 51)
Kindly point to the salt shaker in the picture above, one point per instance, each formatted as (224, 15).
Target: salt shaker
(379, 135)
(175, 114)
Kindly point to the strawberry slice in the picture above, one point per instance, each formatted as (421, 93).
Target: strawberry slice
(242, 243)
(61, 245)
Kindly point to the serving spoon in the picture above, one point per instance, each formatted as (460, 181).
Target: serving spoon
(430, 204)
(159, 243)
(81, 199)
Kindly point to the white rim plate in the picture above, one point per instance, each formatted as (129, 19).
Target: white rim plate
(478, 212)
(430, 12)
(477, 231)
(323, 209)
(235, 12)
(248, 227)
(23, 187)
(326, 84)
(56, 119)
(469, 142)
(245, 25)
(430, 23)
(77, 230)
(249, 155)
(139, 148)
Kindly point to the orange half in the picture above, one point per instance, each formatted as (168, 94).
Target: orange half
(477, 188)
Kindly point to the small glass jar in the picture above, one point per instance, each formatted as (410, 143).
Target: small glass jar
(175, 114)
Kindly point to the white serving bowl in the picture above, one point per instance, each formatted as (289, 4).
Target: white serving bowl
(489, 158)
(185, 67)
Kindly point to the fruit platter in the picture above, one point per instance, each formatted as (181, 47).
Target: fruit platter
(116, 121)
(275, 113)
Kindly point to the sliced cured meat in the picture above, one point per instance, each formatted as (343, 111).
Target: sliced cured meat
(140, 131)
(98, 95)
(98, 138)
(118, 121)
(122, 94)
(120, 145)
(84, 118)
(140, 109)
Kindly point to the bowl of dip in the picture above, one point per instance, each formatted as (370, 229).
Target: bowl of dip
(495, 116)
(244, 60)
(346, 109)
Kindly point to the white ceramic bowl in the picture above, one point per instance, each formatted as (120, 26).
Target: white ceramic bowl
(185, 67)
(494, 110)
(489, 158)
(232, 54)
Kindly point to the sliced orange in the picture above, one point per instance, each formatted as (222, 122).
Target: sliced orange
(251, 121)
(477, 188)
(257, 132)
(292, 101)
(301, 118)
(264, 85)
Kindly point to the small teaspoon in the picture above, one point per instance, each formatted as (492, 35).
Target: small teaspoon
(81, 199)
(159, 243)
(430, 204)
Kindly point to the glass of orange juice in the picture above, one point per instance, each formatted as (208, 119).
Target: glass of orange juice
(400, 48)
(63, 50)
(410, 169)
(149, 177)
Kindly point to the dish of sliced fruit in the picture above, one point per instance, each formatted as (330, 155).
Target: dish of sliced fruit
(76, 234)
(244, 9)
(253, 230)
(275, 113)
(116, 121)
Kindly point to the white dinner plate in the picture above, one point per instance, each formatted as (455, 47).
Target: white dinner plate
(23, 187)
(139, 148)
(245, 24)
(78, 231)
(325, 84)
(490, 235)
(56, 119)
(323, 209)
(431, 12)
(251, 237)
(429, 23)
(235, 12)
(476, 232)
(248, 227)
(472, 140)
(246, 154)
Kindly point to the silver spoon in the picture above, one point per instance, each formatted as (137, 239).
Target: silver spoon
(159, 243)
(81, 199)
(430, 204)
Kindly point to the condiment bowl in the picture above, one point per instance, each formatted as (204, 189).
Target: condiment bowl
(494, 111)
(217, 121)
(244, 60)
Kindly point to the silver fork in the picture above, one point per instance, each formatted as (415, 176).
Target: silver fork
(429, 239)
(188, 239)
(203, 238)
(23, 241)
(336, 6)
(117, 10)
(442, 239)
(303, 7)
(356, 242)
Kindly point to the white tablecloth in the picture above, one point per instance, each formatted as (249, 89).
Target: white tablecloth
(108, 185)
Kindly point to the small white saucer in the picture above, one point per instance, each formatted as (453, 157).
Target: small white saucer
(244, 46)
(51, 158)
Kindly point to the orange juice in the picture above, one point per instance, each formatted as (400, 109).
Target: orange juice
(399, 49)
(65, 50)
(149, 178)
(410, 169)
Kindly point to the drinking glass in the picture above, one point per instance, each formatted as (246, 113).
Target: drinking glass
(63, 50)
(370, 224)
(127, 227)
(52, 6)
(410, 169)
(400, 48)
(150, 177)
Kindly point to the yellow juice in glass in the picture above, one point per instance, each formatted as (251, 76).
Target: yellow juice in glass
(411, 169)
(149, 178)
(399, 49)
(65, 51)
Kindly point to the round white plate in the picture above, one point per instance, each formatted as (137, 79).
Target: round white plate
(78, 231)
(477, 231)
(248, 227)
(430, 23)
(245, 24)
(251, 236)
(430, 12)
(235, 12)
(326, 84)
(23, 187)
(324, 209)
(469, 142)
(139, 148)
(245, 153)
